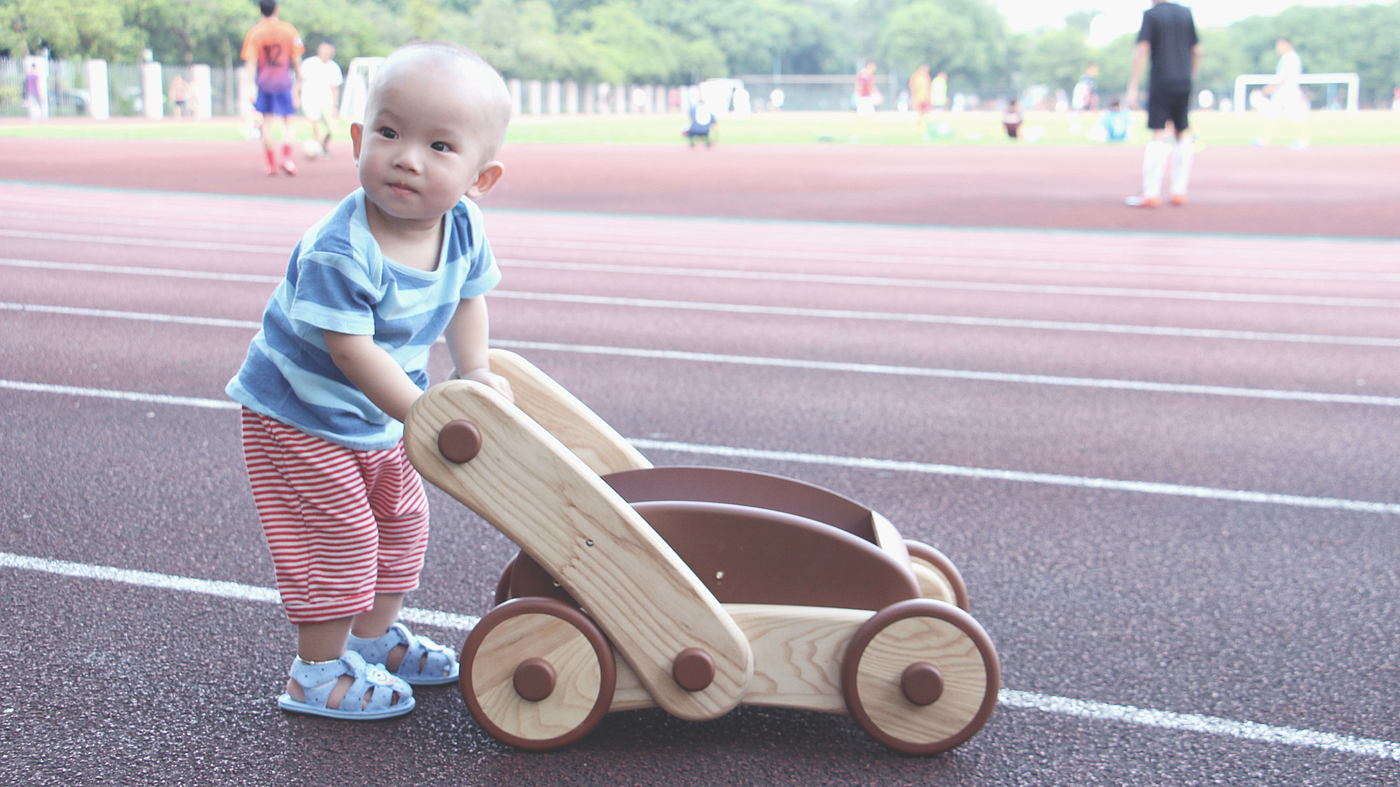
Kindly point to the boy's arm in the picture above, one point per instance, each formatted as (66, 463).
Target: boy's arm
(374, 372)
(466, 337)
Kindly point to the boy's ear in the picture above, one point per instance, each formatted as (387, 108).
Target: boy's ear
(357, 131)
(486, 179)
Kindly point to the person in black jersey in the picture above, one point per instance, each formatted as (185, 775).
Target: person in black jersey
(1168, 37)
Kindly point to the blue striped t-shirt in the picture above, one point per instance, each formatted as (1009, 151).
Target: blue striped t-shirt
(338, 280)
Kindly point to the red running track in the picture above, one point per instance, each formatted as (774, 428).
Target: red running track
(1327, 191)
(1165, 464)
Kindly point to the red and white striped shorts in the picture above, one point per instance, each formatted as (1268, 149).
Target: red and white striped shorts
(342, 524)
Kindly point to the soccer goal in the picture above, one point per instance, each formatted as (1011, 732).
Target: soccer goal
(1351, 81)
(356, 87)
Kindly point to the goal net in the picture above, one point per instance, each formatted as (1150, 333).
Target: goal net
(1351, 83)
(356, 87)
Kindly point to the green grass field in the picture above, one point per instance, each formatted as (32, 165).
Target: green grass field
(781, 128)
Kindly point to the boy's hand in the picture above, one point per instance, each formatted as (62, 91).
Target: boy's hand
(484, 375)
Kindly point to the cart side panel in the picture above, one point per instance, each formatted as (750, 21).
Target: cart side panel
(530, 487)
(745, 488)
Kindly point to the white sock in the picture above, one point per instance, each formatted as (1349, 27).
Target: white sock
(1154, 168)
(1181, 168)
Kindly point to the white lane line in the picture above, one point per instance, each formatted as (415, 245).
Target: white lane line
(698, 250)
(1208, 725)
(208, 587)
(109, 314)
(1024, 242)
(1097, 711)
(966, 286)
(123, 240)
(955, 374)
(129, 270)
(838, 314)
(126, 396)
(1022, 476)
(939, 319)
(788, 363)
(867, 281)
(263, 225)
(863, 463)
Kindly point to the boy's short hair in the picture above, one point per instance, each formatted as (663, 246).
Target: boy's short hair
(460, 52)
(268, 7)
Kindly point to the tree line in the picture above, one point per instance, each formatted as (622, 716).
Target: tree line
(669, 42)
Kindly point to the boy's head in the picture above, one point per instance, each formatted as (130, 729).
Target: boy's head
(434, 117)
(268, 7)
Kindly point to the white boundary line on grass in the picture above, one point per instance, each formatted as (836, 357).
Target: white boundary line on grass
(1065, 706)
(863, 463)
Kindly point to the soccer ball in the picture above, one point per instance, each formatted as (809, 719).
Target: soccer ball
(311, 148)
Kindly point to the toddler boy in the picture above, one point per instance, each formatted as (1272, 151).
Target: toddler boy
(341, 358)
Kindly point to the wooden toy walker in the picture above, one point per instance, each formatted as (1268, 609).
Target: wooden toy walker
(690, 588)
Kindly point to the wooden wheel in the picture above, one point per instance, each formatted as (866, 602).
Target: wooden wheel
(938, 578)
(537, 674)
(920, 676)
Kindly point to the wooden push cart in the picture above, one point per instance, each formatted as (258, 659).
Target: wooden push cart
(693, 589)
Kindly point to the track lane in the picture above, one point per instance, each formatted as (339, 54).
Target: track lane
(1212, 588)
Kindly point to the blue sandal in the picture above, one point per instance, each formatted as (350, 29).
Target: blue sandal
(425, 664)
(318, 680)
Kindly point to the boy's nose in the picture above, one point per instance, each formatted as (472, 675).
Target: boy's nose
(407, 158)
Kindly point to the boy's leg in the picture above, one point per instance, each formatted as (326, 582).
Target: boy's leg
(322, 535)
(400, 509)
(289, 135)
(267, 143)
(1182, 155)
(1160, 112)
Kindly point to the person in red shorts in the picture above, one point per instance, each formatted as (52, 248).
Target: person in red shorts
(920, 87)
(274, 49)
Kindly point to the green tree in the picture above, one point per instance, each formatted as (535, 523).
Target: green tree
(1056, 58)
(67, 28)
(520, 39)
(966, 38)
(185, 30)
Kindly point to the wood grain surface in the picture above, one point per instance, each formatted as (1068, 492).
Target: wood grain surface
(543, 497)
(561, 414)
(921, 639)
(568, 651)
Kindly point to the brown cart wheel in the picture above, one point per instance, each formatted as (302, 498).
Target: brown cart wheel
(920, 676)
(537, 674)
(503, 584)
(938, 578)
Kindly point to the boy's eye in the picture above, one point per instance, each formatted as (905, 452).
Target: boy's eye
(442, 147)
(388, 133)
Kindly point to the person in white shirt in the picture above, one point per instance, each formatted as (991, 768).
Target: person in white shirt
(1286, 97)
(321, 79)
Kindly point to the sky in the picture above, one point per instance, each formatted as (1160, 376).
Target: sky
(1122, 16)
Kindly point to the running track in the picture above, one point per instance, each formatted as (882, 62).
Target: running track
(1166, 465)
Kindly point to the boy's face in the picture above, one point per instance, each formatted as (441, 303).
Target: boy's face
(427, 139)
